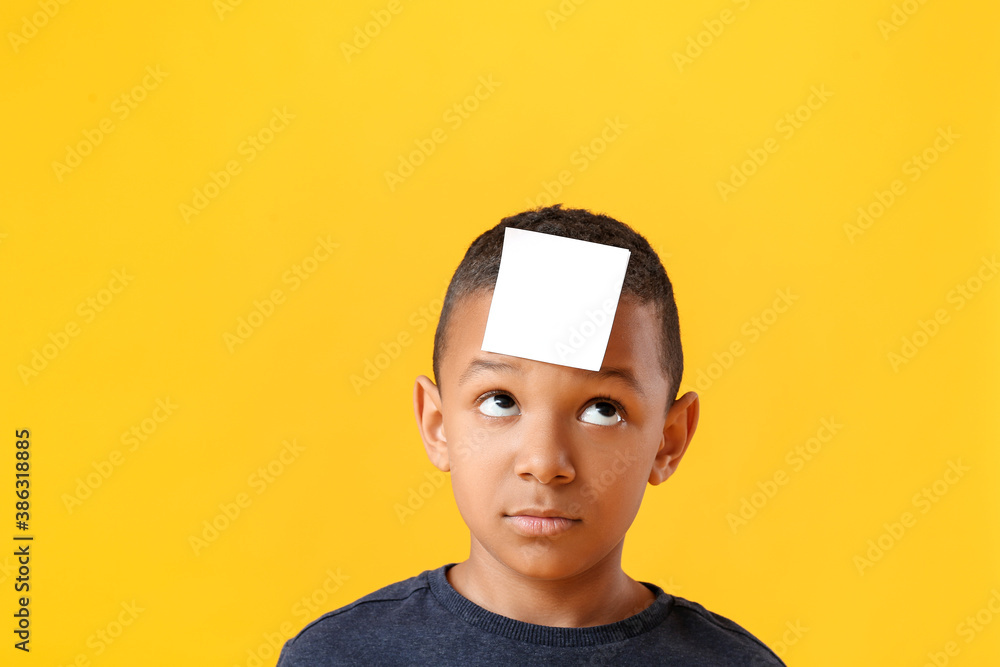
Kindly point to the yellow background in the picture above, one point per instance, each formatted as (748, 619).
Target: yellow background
(560, 73)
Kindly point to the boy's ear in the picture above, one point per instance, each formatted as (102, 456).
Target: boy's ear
(430, 421)
(682, 420)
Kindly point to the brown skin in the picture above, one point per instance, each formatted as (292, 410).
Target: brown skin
(552, 440)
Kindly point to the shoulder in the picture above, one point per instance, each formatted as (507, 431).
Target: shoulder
(713, 633)
(346, 633)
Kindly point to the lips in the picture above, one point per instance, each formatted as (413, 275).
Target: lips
(541, 512)
(537, 522)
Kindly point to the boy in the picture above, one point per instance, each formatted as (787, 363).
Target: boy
(548, 465)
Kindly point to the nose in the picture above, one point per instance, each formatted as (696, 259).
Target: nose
(544, 452)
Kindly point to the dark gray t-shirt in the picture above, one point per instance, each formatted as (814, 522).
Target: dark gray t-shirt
(425, 621)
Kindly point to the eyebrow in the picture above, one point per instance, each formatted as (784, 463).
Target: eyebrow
(484, 366)
(625, 376)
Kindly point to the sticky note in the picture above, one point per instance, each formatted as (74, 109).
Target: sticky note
(555, 299)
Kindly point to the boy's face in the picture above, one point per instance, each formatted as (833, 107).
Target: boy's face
(522, 436)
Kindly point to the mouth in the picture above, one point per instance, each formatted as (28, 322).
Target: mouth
(542, 513)
(540, 523)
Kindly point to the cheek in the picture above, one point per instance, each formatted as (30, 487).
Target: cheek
(474, 473)
(616, 483)
(468, 499)
(468, 443)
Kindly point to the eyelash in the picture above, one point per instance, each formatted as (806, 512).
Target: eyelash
(597, 399)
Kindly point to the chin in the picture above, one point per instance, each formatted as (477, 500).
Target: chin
(543, 561)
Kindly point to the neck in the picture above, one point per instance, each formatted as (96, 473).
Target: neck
(600, 595)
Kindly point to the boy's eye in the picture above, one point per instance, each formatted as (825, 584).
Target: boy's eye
(499, 405)
(601, 413)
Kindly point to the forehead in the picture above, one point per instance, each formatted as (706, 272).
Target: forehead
(633, 347)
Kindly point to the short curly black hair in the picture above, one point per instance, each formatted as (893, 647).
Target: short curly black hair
(645, 277)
